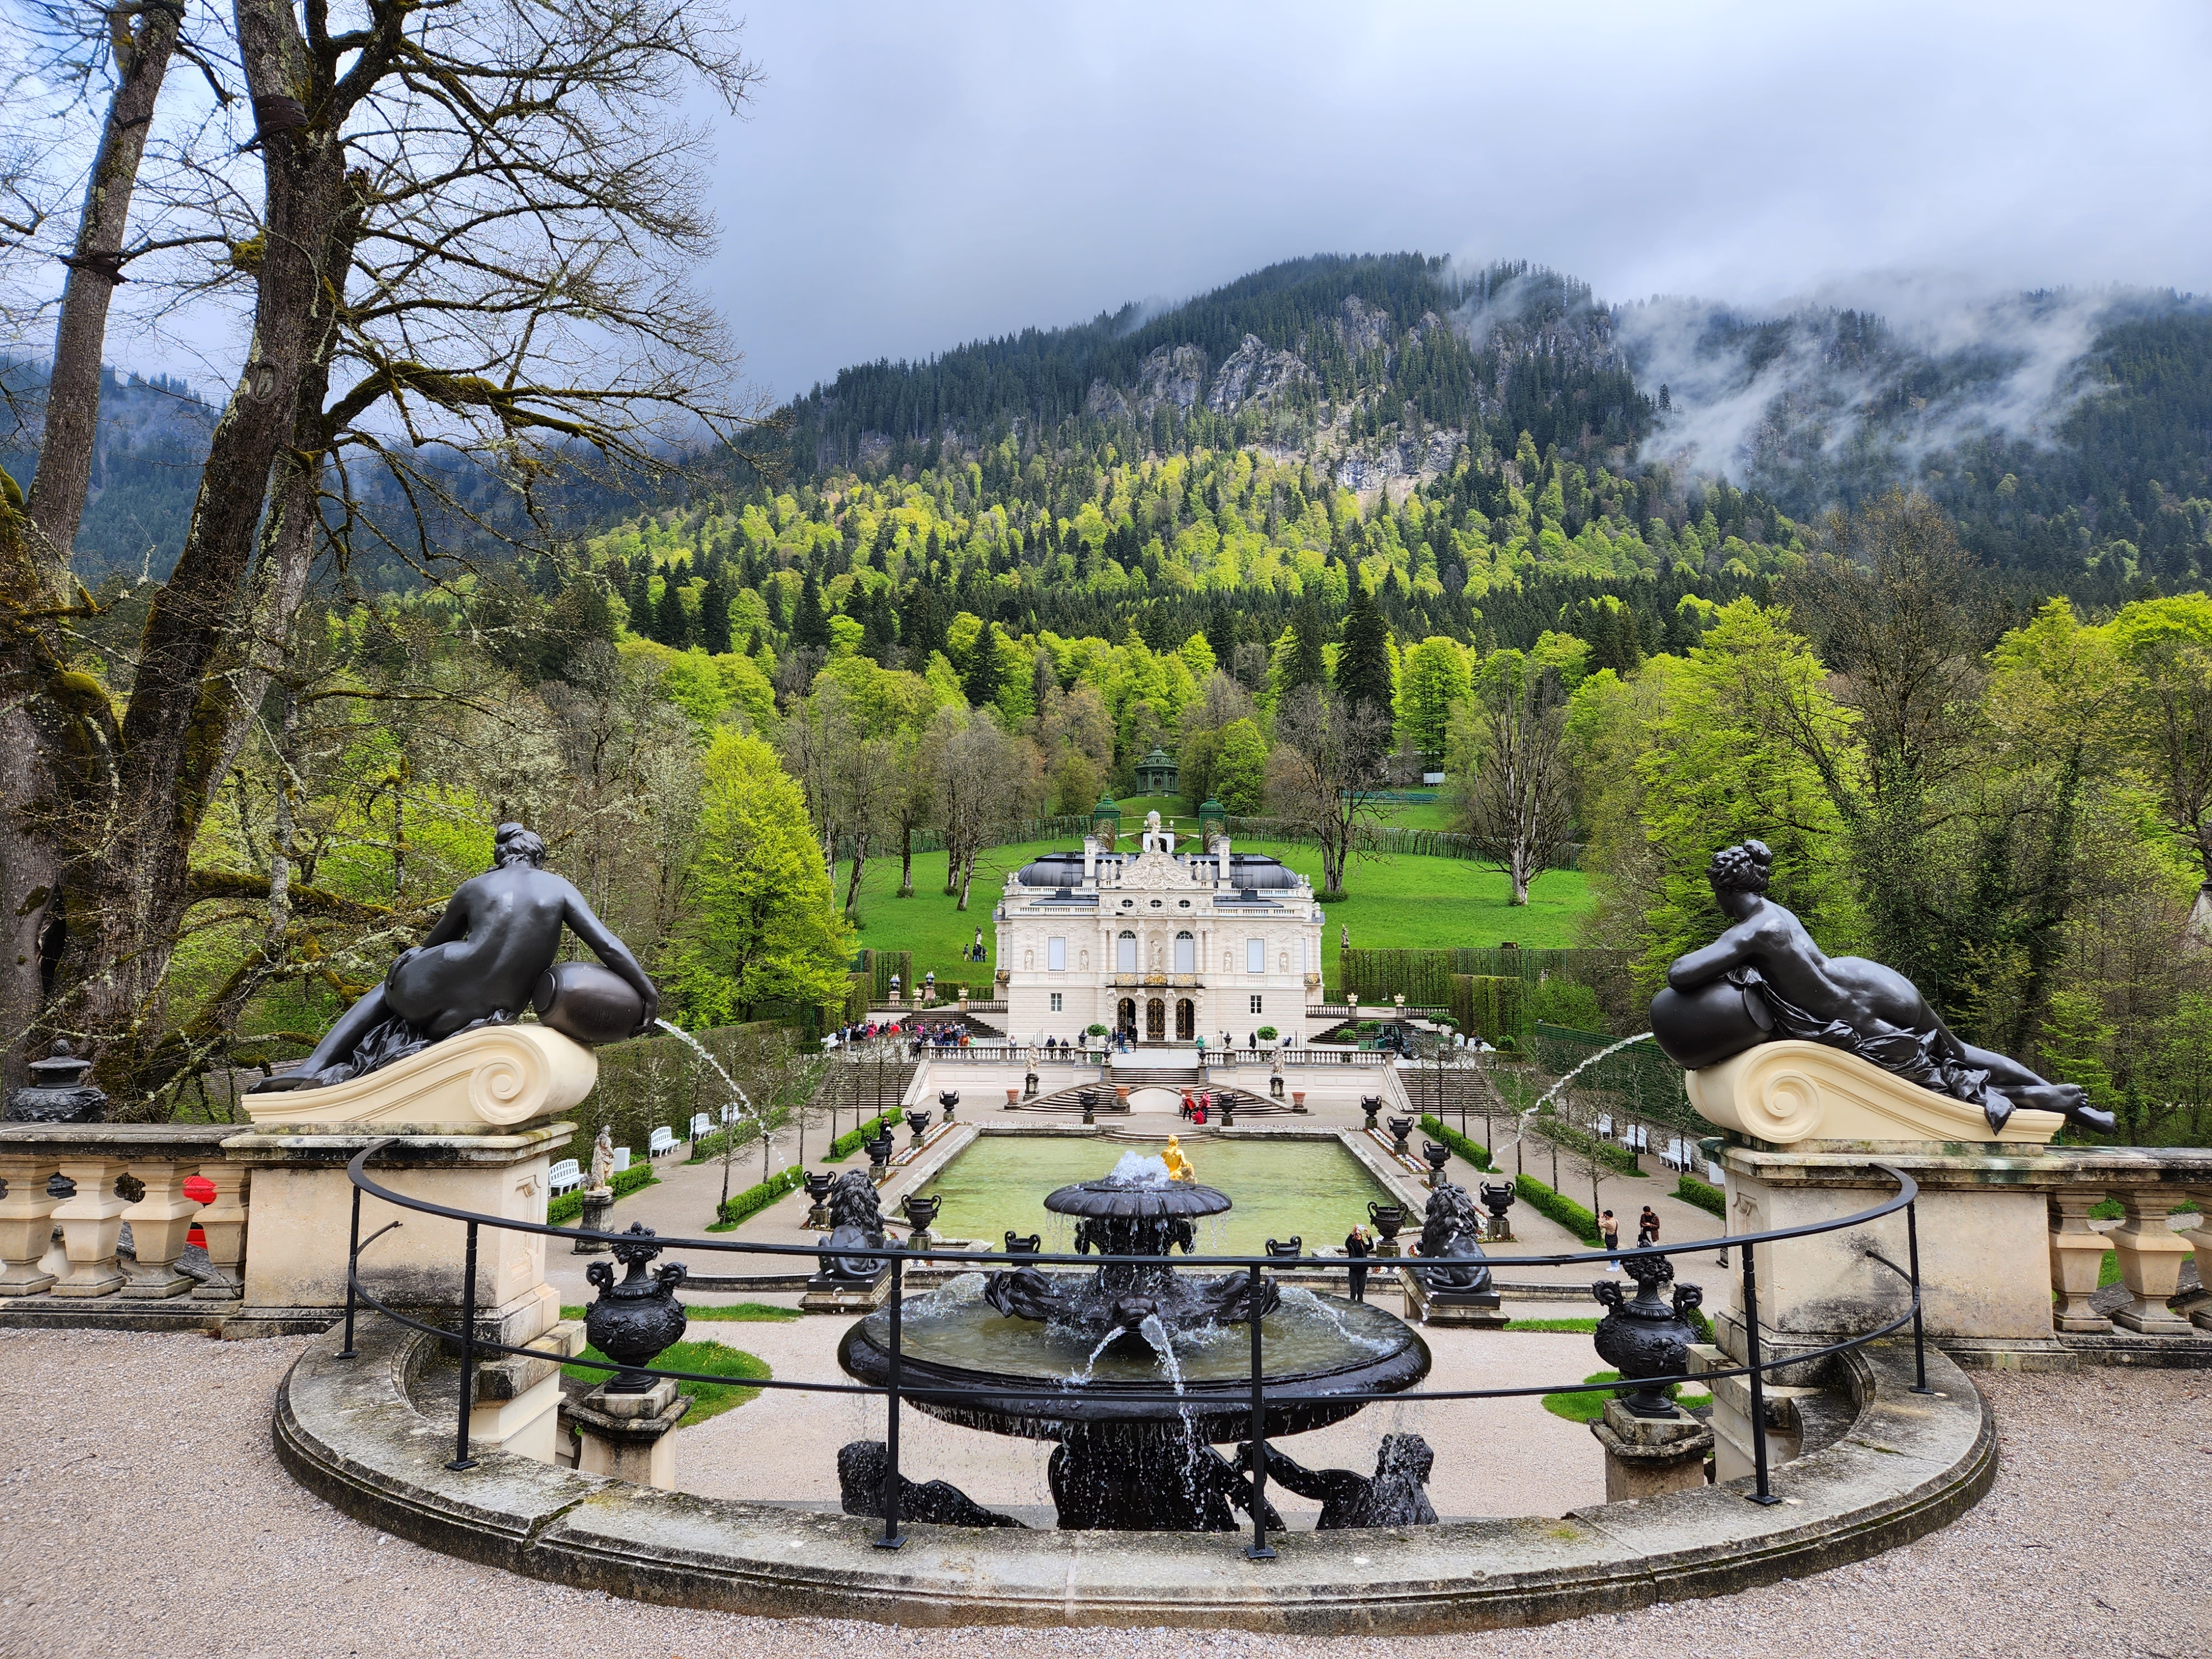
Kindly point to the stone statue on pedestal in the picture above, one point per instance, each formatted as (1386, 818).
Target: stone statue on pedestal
(603, 1161)
(1764, 979)
(491, 954)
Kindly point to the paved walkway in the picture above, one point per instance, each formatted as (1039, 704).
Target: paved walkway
(148, 1513)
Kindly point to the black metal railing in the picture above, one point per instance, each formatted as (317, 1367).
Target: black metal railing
(894, 1390)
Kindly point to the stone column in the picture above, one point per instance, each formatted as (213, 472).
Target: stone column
(27, 1224)
(91, 1220)
(2077, 1257)
(223, 1221)
(2151, 1254)
(161, 1216)
(1645, 1457)
(626, 1435)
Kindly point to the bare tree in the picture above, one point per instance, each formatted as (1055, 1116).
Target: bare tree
(474, 226)
(986, 780)
(1325, 774)
(1508, 750)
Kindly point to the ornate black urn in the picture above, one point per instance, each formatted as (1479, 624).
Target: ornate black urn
(1089, 1098)
(1644, 1337)
(818, 1193)
(1438, 1156)
(879, 1153)
(921, 1214)
(1291, 1251)
(57, 1092)
(1400, 1128)
(1388, 1218)
(1017, 1244)
(1497, 1198)
(1372, 1105)
(631, 1322)
(948, 1098)
(918, 1122)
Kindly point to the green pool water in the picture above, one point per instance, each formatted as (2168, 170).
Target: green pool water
(1312, 1188)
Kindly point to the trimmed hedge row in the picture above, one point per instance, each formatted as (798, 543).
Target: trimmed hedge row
(1462, 1147)
(1705, 1196)
(1565, 1211)
(853, 1139)
(1492, 1006)
(759, 1196)
(569, 1206)
(1619, 1159)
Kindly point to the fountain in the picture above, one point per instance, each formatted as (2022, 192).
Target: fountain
(1067, 1356)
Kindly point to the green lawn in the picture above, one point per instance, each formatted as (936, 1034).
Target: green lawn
(1588, 1407)
(708, 1358)
(1390, 902)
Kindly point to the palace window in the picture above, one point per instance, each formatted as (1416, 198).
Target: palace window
(1255, 956)
(1186, 956)
(1255, 1004)
(1055, 1002)
(1125, 953)
(1056, 955)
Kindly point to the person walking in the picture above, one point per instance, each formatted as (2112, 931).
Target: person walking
(1356, 1247)
(1647, 1228)
(1608, 1231)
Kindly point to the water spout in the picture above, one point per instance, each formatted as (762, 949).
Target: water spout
(1521, 1122)
(1077, 1379)
(684, 1036)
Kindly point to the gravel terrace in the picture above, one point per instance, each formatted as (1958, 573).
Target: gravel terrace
(137, 1530)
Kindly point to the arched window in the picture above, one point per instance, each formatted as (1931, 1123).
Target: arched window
(1186, 960)
(1125, 953)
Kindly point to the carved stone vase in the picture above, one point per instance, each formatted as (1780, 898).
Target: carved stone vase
(632, 1322)
(1644, 1337)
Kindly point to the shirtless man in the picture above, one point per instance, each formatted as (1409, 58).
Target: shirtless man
(500, 934)
(1792, 989)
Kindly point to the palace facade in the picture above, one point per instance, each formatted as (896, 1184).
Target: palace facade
(1163, 945)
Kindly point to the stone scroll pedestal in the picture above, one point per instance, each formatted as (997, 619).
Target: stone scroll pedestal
(2002, 1215)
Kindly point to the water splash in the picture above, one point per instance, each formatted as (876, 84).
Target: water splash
(1154, 1332)
(1521, 1122)
(1299, 1302)
(1077, 1379)
(1137, 1169)
(954, 1293)
(684, 1036)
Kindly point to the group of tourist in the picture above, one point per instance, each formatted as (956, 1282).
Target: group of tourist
(1198, 1107)
(1647, 1231)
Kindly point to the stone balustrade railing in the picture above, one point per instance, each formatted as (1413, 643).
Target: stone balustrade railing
(88, 1181)
(2147, 1183)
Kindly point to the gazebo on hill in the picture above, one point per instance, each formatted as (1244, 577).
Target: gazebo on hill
(1156, 774)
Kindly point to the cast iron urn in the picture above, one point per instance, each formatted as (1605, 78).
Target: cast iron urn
(1372, 1105)
(948, 1098)
(1497, 1197)
(631, 1322)
(918, 1122)
(1645, 1338)
(818, 1193)
(1388, 1218)
(1438, 1156)
(1400, 1128)
(57, 1092)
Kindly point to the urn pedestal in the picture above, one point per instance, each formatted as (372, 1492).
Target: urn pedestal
(1645, 1457)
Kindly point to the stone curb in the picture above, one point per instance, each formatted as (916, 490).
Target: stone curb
(349, 1431)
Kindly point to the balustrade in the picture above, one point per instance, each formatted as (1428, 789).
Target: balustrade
(85, 1181)
(2147, 1183)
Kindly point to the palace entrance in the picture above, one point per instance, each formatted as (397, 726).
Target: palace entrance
(1125, 1018)
(1186, 1019)
(1156, 1019)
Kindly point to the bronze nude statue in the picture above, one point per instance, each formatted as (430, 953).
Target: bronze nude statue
(1764, 979)
(491, 954)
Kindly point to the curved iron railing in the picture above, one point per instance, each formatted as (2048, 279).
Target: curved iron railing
(894, 1390)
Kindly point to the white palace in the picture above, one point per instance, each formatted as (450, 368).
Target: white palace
(1165, 946)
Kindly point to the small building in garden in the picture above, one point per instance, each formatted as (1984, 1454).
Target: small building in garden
(1158, 775)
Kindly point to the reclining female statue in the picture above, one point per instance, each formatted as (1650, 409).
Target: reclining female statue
(483, 963)
(1764, 979)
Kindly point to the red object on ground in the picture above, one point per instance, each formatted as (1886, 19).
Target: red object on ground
(196, 1237)
(199, 1189)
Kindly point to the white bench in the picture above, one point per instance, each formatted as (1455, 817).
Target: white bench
(700, 1124)
(622, 1159)
(564, 1178)
(662, 1142)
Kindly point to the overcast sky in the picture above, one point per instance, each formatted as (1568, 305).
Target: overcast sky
(912, 176)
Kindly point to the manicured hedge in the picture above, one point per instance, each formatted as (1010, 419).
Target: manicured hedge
(853, 1139)
(569, 1206)
(1462, 1147)
(1565, 1211)
(758, 1197)
(1711, 1199)
(1619, 1159)
(1492, 1006)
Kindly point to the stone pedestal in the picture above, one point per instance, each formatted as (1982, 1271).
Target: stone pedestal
(27, 1219)
(2151, 1253)
(296, 1262)
(826, 1295)
(517, 1399)
(626, 1435)
(599, 1205)
(1481, 1309)
(1645, 1457)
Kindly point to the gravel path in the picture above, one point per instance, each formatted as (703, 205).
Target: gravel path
(147, 1514)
